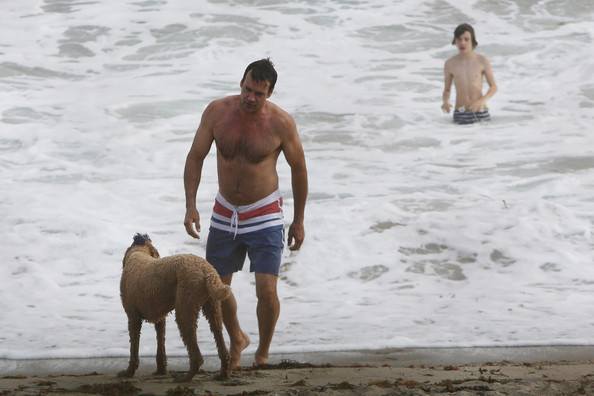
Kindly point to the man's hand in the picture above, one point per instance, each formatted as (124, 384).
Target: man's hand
(296, 236)
(192, 219)
(446, 107)
(476, 106)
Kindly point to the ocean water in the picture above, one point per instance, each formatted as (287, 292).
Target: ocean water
(418, 232)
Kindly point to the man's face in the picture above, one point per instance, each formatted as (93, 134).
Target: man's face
(253, 93)
(464, 42)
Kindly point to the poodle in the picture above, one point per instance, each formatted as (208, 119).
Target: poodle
(151, 287)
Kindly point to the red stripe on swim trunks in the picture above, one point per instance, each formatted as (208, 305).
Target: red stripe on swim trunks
(272, 207)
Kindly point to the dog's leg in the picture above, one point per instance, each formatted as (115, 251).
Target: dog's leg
(134, 326)
(212, 313)
(186, 316)
(161, 355)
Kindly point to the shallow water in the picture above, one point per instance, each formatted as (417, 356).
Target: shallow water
(419, 232)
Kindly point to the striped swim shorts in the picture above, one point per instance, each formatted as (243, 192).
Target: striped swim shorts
(461, 116)
(256, 230)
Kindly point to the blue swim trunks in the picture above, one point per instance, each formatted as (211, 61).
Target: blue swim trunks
(256, 230)
(463, 117)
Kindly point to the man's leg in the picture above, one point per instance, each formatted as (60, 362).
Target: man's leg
(239, 340)
(268, 311)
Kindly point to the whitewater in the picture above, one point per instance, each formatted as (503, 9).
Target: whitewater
(418, 232)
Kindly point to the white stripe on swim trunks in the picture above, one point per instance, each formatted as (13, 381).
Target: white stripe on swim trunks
(266, 220)
(259, 219)
(246, 230)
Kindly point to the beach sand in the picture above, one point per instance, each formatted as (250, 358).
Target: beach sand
(565, 370)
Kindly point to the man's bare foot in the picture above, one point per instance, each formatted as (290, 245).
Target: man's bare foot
(236, 349)
(260, 359)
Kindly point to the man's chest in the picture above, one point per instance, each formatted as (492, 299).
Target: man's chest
(245, 140)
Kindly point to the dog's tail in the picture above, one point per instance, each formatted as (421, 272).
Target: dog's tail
(217, 290)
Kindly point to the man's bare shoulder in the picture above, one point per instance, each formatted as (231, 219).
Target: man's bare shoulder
(281, 119)
(222, 103)
(276, 111)
(217, 107)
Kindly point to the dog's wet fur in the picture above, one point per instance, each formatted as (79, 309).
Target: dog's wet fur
(151, 287)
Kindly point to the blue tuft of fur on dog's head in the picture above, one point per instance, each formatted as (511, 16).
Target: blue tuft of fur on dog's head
(142, 243)
(141, 239)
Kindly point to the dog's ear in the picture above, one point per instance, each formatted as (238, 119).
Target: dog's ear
(125, 255)
(153, 251)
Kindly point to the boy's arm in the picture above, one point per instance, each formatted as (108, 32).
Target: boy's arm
(448, 77)
(488, 72)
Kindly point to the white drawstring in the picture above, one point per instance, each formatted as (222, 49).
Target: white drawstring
(236, 210)
(235, 222)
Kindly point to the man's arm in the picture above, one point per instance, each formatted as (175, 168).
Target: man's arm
(193, 170)
(293, 151)
(488, 71)
(448, 77)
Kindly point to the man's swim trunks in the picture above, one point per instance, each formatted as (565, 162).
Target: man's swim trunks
(461, 116)
(256, 229)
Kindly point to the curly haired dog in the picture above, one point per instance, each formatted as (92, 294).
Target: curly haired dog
(151, 287)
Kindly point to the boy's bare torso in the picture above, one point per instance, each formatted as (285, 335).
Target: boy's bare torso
(467, 72)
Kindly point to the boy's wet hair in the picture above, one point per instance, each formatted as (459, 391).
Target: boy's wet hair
(262, 70)
(465, 27)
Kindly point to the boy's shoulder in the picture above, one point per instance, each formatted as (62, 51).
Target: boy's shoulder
(451, 60)
(482, 58)
(457, 58)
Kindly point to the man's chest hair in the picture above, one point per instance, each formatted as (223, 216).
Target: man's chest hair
(246, 142)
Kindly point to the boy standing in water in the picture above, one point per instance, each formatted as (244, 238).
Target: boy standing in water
(466, 70)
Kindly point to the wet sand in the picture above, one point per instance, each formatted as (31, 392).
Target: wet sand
(566, 370)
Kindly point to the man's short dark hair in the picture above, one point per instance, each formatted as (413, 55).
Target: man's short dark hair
(262, 70)
(465, 27)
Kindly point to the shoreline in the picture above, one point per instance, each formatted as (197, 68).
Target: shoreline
(504, 370)
(396, 357)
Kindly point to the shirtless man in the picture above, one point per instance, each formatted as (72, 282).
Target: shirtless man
(249, 133)
(467, 70)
